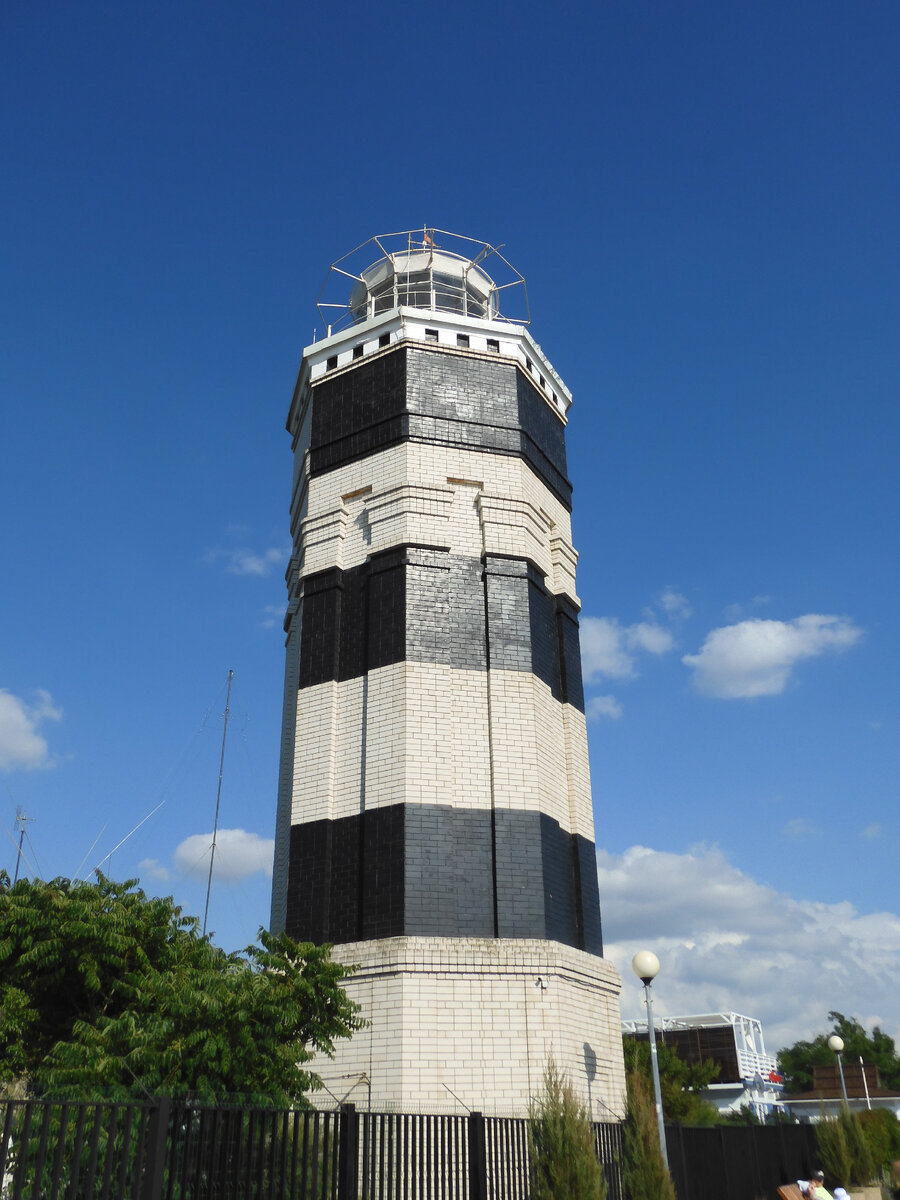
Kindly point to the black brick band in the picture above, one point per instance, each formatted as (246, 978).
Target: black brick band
(430, 870)
(420, 395)
(423, 604)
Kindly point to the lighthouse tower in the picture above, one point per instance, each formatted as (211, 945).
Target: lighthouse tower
(434, 811)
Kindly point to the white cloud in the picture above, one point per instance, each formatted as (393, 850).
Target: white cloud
(151, 868)
(273, 615)
(22, 745)
(603, 706)
(247, 562)
(238, 855)
(727, 943)
(241, 561)
(871, 831)
(674, 605)
(608, 648)
(646, 635)
(756, 657)
(734, 611)
(800, 827)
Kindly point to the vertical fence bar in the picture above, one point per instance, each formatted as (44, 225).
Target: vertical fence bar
(477, 1157)
(264, 1122)
(38, 1166)
(109, 1157)
(7, 1133)
(93, 1148)
(60, 1149)
(348, 1153)
(22, 1137)
(155, 1150)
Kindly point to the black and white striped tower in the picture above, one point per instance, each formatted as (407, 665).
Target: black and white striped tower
(434, 811)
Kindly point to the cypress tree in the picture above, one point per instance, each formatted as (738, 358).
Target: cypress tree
(564, 1163)
(646, 1176)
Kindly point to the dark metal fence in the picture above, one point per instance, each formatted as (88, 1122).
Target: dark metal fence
(165, 1151)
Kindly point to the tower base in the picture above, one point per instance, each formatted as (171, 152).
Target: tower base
(471, 1023)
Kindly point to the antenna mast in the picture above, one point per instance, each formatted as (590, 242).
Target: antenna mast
(212, 857)
(20, 824)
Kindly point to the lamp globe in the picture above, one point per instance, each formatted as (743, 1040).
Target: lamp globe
(645, 965)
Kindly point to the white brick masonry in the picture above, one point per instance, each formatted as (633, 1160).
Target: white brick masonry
(420, 733)
(480, 1017)
(425, 494)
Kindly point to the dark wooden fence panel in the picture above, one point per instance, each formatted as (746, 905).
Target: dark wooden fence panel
(740, 1162)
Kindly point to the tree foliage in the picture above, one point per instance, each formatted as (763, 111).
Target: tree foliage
(564, 1163)
(679, 1082)
(877, 1049)
(106, 993)
(645, 1175)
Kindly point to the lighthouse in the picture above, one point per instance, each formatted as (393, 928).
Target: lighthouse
(434, 816)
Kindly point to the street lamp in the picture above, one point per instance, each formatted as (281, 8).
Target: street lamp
(836, 1044)
(645, 965)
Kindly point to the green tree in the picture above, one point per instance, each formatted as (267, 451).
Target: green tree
(108, 993)
(645, 1175)
(679, 1082)
(877, 1049)
(564, 1163)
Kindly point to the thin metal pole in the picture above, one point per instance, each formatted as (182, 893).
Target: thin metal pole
(657, 1091)
(212, 857)
(862, 1067)
(20, 824)
(837, 1055)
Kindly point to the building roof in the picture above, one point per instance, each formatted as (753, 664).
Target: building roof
(827, 1084)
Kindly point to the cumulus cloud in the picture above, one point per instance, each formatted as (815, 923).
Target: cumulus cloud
(242, 561)
(22, 745)
(727, 943)
(239, 854)
(609, 648)
(603, 706)
(872, 831)
(756, 657)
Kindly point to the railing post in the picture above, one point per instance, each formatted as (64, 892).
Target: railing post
(478, 1182)
(155, 1155)
(348, 1153)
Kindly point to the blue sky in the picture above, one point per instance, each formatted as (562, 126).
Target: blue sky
(703, 199)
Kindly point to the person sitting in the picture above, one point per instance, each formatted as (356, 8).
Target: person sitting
(816, 1189)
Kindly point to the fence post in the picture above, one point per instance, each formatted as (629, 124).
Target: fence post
(155, 1154)
(348, 1153)
(478, 1181)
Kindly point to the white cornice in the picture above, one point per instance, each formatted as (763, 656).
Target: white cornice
(336, 353)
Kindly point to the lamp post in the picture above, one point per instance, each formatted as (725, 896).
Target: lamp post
(645, 965)
(836, 1044)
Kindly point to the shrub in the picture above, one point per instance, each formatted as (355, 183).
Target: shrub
(882, 1132)
(644, 1170)
(564, 1163)
(843, 1149)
